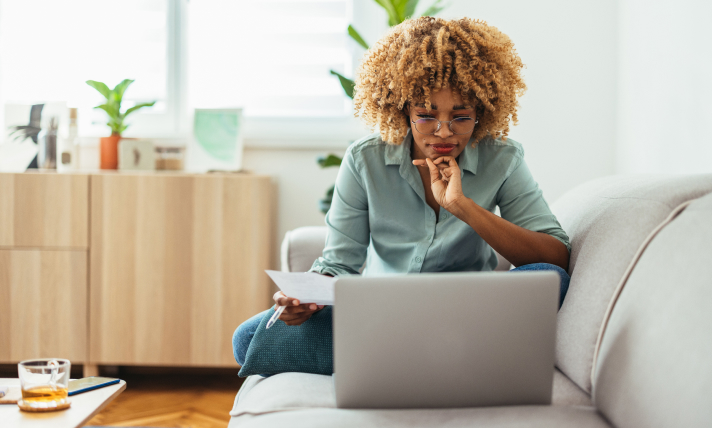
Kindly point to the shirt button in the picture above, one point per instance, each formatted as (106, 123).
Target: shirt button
(418, 259)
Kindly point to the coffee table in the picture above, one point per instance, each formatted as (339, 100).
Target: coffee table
(84, 406)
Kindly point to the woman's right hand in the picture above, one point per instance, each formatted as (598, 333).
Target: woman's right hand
(294, 313)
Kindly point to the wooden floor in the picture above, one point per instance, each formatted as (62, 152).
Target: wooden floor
(172, 398)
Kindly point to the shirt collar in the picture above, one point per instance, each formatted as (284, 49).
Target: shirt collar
(397, 155)
(470, 157)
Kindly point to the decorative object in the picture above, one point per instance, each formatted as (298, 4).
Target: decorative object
(112, 107)
(47, 141)
(136, 155)
(20, 133)
(170, 158)
(17, 156)
(217, 140)
(68, 158)
(18, 149)
(31, 130)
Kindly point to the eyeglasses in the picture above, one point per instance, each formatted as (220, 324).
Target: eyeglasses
(458, 126)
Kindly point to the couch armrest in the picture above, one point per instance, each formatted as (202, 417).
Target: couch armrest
(301, 247)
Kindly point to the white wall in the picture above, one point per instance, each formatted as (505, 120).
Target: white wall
(568, 115)
(665, 75)
(567, 119)
(300, 183)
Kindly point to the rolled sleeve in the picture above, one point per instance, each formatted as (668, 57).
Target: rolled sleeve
(521, 202)
(348, 232)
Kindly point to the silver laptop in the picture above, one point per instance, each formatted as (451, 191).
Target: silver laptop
(445, 340)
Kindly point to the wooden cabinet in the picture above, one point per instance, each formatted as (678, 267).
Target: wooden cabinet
(44, 210)
(44, 226)
(43, 305)
(177, 263)
(132, 268)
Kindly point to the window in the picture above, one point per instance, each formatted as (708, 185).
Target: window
(50, 48)
(271, 57)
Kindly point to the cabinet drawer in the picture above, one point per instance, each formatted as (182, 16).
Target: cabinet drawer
(45, 210)
(43, 305)
(177, 263)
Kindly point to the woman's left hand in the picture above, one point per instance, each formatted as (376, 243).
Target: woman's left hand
(444, 180)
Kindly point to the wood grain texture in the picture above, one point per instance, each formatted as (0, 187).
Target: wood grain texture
(45, 210)
(43, 305)
(177, 263)
(175, 400)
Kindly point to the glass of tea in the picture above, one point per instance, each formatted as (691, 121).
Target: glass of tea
(44, 384)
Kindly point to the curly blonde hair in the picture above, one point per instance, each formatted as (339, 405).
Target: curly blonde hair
(424, 55)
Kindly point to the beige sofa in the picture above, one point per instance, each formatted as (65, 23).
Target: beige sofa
(634, 335)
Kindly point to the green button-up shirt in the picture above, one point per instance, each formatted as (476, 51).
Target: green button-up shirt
(379, 214)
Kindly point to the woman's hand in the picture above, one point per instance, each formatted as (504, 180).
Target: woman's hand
(294, 313)
(445, 180)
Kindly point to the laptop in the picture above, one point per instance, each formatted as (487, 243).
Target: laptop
(445, 339)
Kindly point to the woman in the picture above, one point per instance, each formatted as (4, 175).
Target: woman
(420, 195)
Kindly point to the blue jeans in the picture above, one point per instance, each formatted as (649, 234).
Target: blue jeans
(244, 333)
(243, 336)
(565, 278)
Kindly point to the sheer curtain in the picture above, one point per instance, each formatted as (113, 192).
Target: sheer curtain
(49, 48)
(271, 57)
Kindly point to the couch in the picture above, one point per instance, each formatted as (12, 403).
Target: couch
(634, 335)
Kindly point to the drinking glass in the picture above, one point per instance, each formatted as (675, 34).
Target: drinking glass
(44, 384)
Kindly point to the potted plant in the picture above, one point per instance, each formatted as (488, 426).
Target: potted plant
(109, 154)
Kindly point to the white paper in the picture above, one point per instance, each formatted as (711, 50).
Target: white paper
(308, 287)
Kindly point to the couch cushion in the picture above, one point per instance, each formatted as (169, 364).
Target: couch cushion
(282, 392)
(607, 220)
(653, 368)
(295, 391)
(501, 417)
(567, 393)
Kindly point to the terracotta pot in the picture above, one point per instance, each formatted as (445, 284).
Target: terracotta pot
(109, 152)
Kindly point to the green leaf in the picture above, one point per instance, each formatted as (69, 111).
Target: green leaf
(410, 7)
(121, 88)
(138, 106)
(101, 87)
(390, 10)
(347, 84)
(401, 7)
(110, 109)
(329, 160)
(435, 8)
(357, 37)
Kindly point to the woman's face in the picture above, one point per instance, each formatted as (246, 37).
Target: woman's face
(446, 106)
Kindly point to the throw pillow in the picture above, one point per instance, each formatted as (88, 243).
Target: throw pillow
(307, 348)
